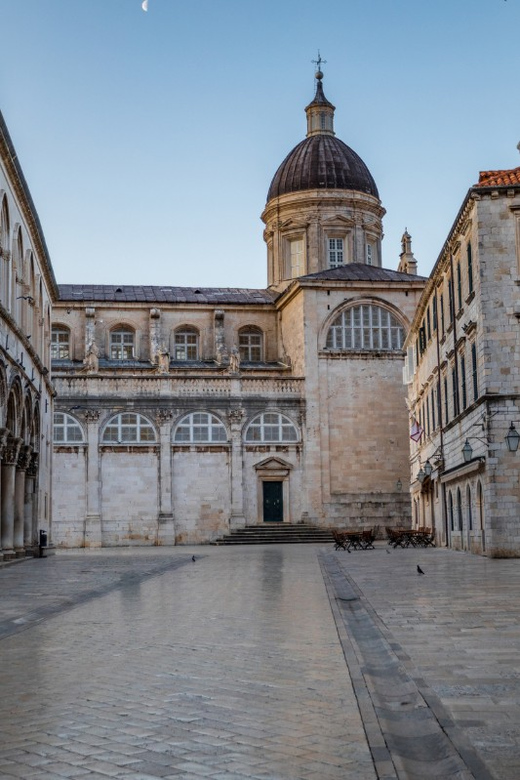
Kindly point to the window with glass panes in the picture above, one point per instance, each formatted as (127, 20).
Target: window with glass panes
(200, 427)
(186, 344)
(67, 429)
(122, 344)
(469, 257)
(271, 427)
(60, 343)
(336, 252)
(365, 327)
(128, 428)
(296, 257)
(250, 345)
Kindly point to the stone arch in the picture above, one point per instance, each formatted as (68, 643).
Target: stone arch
(16, 272)
(14, 407)
(5, 267)
(338, 316)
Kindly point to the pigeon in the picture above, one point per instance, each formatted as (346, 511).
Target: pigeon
(193, 558)
(387, 552)
(419, 570)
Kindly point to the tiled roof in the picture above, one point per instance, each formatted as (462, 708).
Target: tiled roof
(499, 178)
(359, 272)
(148, 294)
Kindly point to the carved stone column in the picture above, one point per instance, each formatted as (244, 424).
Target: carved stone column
(9, 462)
(4, 433)
(24, 458)
(93, 535)
(237, 518)
(166, 526)
(30, 522)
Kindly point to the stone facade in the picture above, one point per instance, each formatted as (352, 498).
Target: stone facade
(27, 291)
(182, 413)
(463, 370)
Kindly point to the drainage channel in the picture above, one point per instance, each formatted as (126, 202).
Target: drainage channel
(409, 732)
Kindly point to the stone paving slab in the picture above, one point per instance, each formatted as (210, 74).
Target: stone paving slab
(146, 667)
(456, 634)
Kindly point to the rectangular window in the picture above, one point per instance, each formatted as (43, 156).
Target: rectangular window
(428, 324)
(433, 402)
(469, 257)
(455, 392)
(428, 431)
(446, 402)
(434, 312)
(450, 299)
(336, 252)
(459, 286)
(297, 258)
(60, 344)
(474, 370)
(442, 314)
(462, 365)
(369, 254)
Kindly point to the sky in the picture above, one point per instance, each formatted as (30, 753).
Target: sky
(149, 139)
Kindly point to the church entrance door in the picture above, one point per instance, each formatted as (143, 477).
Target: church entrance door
(273, 502)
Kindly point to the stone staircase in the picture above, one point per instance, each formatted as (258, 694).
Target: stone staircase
(277, 533)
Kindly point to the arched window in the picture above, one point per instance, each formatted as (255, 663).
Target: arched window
(186, 344)
(469, 510)
(366, 326)
(67, 429)
(200, 427)
(60, 343)
(250, 344)
(271, 427)
(122, 342)
(459, 509)
(128, 428)
(4, 253)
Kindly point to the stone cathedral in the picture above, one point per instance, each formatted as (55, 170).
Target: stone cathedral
(182, 413)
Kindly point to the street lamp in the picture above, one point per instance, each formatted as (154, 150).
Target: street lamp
(467, 451)
(512, 438)
(428, 468)
(421, 476)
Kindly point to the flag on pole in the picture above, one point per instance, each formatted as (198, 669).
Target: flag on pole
(416, 430)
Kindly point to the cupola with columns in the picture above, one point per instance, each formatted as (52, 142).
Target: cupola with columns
(323, 208)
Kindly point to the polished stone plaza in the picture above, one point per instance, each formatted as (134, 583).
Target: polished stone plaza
(271, 662)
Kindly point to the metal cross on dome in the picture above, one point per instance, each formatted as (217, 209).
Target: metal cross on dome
(319, 62)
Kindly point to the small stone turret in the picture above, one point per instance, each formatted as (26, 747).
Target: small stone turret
(407, 261)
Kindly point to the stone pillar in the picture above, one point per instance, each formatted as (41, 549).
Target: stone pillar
(93, 536)
(4, 433)
(30, 530)
(24, 458)
(165, 521)
(9, 461)
(237, 518)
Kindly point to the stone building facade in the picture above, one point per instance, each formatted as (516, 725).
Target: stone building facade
(182, 413)
(27, 292)
(463, 373)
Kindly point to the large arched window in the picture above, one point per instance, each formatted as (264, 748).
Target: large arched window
(271, 427)
(250, 344)
(200, 427)
(128, 428)
(365, 326)
(186, 344)
(67, 429)
(60, 343)
(122, 341)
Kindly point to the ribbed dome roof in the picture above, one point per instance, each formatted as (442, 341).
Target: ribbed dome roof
(322, 162)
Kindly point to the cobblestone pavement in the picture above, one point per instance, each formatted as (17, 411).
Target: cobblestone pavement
(454, 638)
(141, 664)
(146, 665)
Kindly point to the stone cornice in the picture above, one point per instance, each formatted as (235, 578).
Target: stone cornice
(21, 190)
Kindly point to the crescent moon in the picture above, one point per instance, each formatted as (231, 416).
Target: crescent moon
(144, 5)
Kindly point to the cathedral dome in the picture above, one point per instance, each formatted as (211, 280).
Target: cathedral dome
(321, 161)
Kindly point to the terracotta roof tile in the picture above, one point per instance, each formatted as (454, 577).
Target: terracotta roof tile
(499, 178)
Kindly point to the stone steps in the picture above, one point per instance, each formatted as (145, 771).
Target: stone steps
(279, 533)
